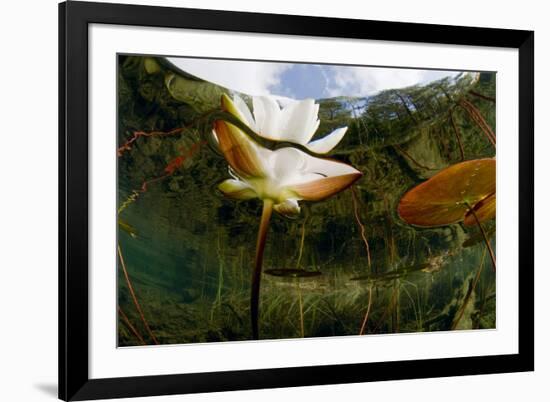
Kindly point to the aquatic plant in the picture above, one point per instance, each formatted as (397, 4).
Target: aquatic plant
(296, 122)
(134, 298)
(464, 192)
(168, 233)
(281, 177)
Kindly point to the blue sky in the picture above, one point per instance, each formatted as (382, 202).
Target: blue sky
(299, 81)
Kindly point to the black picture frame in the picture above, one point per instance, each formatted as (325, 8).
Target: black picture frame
(74, 381)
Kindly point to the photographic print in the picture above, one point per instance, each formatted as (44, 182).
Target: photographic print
(273, 200)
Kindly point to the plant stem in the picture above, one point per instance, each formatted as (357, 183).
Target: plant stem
(366, 319)
(361, 226)
(457, 134)
(132, 329)
(476, 116)
(134, 298)
(257, 273)
(469, 293)
(485, 97)
(487, 243)
(409, 156)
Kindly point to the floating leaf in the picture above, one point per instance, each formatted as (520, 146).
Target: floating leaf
(484, 210)
(292, 273)
(444, 198)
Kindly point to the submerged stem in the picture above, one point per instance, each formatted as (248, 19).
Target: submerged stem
(366, 319)
(471, 290)
(361, 226)
(487, 243)
(132, 329)
(134, 297)
(257, 273)
(457, 135)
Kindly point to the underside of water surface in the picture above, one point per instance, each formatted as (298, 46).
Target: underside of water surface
(187, 252)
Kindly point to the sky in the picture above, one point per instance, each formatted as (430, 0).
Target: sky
(300, 81)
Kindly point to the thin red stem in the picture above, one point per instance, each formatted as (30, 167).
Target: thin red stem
(409, 156)
(132, 329)
(138, 134)
(361, 226)
(476, 116)
(134, 297)
(457, 134)
(366, 319)
(485, 237)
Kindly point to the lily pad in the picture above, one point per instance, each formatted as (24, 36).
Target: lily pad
(292, 273)
(484, 210)
(444, 198)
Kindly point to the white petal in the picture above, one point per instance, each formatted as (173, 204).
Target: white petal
(267, 116)
(237, 189)
(327, 167)
(297, 121)
(322, 178)
(314, 124)
(313, 129)
(243, 109)
(289, 208)
(286, 164)
(290, 166)
(327, 143)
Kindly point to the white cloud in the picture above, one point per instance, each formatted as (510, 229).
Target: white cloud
(252, 78)
(262, 78)
(362, 81)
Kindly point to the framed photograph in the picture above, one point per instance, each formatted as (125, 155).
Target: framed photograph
(258, 201)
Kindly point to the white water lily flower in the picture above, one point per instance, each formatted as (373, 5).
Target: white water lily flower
(281, 177)
(295, 122)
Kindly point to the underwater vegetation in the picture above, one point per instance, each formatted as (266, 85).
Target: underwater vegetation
(384, 210)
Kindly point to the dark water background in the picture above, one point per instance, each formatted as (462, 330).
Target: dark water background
(189, 251)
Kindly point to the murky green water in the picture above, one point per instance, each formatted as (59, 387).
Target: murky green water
(189, 251)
